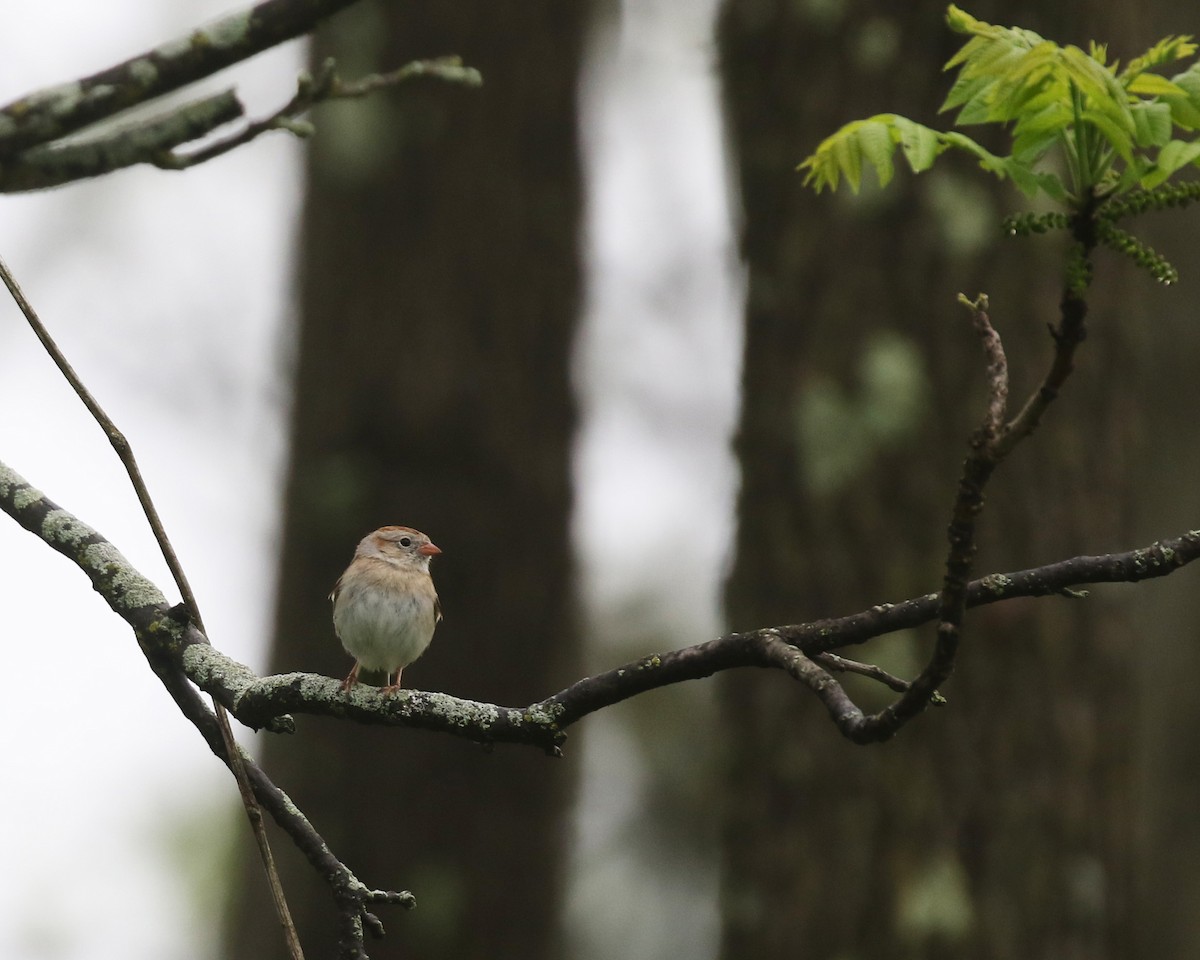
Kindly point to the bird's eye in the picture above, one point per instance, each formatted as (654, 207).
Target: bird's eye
(406, 541)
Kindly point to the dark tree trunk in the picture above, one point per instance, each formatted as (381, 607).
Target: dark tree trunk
(439, 286)
(1002, 825)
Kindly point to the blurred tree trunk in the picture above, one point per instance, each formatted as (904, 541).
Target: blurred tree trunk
(1003, 825)
(439, 286)
(1166, 615)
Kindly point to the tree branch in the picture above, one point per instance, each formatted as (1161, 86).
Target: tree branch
(312, 91)
(54, 112)
(53, 164)
(263, 702)
(989, 446)
(32, 156)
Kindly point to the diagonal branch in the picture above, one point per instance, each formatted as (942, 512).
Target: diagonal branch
(350, 894)
(53, 164)
(989, 445)
(49, 114)
(125, 454)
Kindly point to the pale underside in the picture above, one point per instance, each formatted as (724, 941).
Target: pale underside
(383, 629)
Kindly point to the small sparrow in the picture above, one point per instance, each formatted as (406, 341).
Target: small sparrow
(385, 608)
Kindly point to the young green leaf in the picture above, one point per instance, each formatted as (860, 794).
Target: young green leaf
(1064, 107)
(1172, 157)
(1167, 50)
(1152, 123)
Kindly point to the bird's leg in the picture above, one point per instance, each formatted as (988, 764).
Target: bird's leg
(352, 679)
(393, 687)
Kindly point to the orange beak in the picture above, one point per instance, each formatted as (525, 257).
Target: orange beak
(429, 550)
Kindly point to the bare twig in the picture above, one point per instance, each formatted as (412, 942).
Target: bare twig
(997, 364)
(989, 445)
(844, 712)
(831, 661)
(1068, 334)
(125, 454)
(350, 894)
(311, 91)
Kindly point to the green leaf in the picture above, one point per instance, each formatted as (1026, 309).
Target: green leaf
(1172, 157)
(873, 142)
(1054, 188)
(1102, 126)
(843, 154)
(1032, 140)
(1117, 136)
(1152, 123)
(988, 40)
(847, 157)
(1025, 178)
(989, 161)
(921, 144)
(960, 21)
(876, 144)
(1167, 50)
(1185, 108)
(1099, 85)
(966, 90)
(1152, 85)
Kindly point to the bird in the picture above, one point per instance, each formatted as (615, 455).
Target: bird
(385, 607)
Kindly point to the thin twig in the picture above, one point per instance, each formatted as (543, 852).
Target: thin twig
(997, 363)
(311, 91)
(989, 445)
(125, 454)
(831, 661)
(845, 713)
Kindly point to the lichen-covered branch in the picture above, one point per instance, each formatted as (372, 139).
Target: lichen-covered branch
(34, 156)
(51, 165)
(47, 115)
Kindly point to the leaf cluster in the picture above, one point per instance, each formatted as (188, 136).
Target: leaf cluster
(1081, 126)
(1099, 140)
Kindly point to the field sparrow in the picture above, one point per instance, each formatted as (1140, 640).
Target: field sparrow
(385, 608)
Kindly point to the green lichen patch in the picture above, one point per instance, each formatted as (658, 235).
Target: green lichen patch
(127, 587)
(997, 584)
(230, 31)
(62, 528)
(464, 713)
(25, 495)
(143, 72)
(61, 99)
